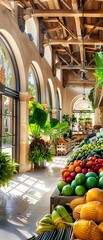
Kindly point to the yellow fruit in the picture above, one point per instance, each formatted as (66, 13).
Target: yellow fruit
(76, 201)
(92, 211)
(76, 211)
(101, 226)
(94, 194)
(86, 230)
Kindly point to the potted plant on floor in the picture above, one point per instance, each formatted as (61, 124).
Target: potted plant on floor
(7, 168)
(39, 152)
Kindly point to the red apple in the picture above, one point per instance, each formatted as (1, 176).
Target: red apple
(68, 179)
(90, 170)
(84, 170)
(72, 175)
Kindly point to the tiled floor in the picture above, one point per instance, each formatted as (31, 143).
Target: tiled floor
(27, 200)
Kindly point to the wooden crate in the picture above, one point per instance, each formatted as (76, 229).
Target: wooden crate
(57, 199)
(62, 149)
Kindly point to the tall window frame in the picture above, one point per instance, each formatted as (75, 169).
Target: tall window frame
(13, 138)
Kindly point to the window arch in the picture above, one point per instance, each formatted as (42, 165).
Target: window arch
(34, 83)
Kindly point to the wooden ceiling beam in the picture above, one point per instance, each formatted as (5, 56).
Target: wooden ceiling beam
(40, 4)
(66, 4)
(74, 42)
(53, 29)
(76, 67)
(93, 28)
(67, 13)
(69, 31)
(89, 26)
(78, 29)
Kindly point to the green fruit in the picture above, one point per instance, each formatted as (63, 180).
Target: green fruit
(80, 190)
(91, 182)
(101, 182)
(74, 184)
(101, 174)
(60, 185)
(67, 190)
(80, 178)
(91, 174)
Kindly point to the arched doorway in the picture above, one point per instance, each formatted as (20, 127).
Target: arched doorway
(9, 101)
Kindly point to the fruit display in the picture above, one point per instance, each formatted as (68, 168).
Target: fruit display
(94, 149)
(85, 216)
(79, 183)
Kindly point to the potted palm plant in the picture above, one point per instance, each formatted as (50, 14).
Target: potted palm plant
(7, 168)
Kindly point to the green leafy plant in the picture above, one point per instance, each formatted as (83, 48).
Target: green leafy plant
(98, 59)
(39, 151)
(91, 97)
(7, 168)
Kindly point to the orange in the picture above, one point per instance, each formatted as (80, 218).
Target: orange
(71, 168)
(76, 163)
(78, 169)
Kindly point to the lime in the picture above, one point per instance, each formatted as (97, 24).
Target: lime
(73, 184)
(80, 178)
(101, 182)
(91, 174)
(67, 190)
(60, 185)
(101, 174)
(91, 182)
(80, 190)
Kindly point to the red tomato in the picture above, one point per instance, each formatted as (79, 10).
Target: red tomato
(92, 158)
(89, 163)
(66, 174)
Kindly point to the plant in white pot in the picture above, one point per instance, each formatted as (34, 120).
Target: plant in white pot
(7, 168)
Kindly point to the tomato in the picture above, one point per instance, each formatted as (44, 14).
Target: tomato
(89, 163)
(66, 174)
(78, 169)
(92, 158)
(63, 171)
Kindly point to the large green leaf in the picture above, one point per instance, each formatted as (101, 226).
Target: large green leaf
(39, 117)
(53, 122)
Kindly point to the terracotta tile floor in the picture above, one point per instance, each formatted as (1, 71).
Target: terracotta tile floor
(27, 199)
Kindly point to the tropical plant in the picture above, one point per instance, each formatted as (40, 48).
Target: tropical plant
(7, 168)
(91, 98)
(98, 59)
(39, 151)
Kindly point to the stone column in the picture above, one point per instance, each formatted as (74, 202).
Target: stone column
(24, 145)
(97, 121)
(54, 111)
(101, 112)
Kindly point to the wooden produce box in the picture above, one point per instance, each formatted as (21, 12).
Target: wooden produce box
(62, 149)
(57, 199)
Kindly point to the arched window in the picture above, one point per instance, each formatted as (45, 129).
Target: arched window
(34, 83)
(49, 97)
(9, 101)
(57, 106)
